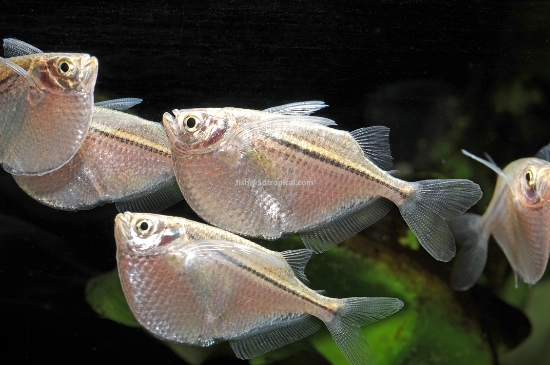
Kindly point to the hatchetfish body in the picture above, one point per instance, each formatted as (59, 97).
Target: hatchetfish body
(191, 283)
(46, 107)
(279, 171)
(518, 217)
(124, 159)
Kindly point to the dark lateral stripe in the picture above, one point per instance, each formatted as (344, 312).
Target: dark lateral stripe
(8, 83)
(332, 162)
(130, 142)
(273, 282)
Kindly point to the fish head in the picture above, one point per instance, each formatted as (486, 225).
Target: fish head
(198, 130)
(143, 233)
(65, 72)
(530, 181)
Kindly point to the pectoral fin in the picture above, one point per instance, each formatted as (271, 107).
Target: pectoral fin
(299, 108)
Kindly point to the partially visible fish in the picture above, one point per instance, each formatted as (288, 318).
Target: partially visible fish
(46, 102)
(124, 160)
(195, 284)
(244, 171)
(518, 216)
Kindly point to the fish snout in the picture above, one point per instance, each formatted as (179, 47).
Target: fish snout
(122, 224)
(170, 124)
(544, 180)
(87, 75)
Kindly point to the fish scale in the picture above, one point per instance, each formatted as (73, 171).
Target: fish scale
(349, 189)
(46, 111)
(124, 159)
(195, 284)
(516, 217)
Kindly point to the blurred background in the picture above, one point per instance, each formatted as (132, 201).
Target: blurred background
(442, 76)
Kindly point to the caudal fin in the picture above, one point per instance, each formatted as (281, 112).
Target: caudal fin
(345, 328)
(431, 203)
(472, 255)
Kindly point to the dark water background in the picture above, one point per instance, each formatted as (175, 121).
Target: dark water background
(383, 62)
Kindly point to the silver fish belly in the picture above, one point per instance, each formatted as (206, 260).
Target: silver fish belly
(264, 174)
(124, 160)
(191, 283)
(517, 217)
(46, 107)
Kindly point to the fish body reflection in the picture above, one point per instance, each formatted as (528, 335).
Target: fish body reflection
(124, 160)
(517, 216)
(46, 107)
(322, 183)
(195, 284)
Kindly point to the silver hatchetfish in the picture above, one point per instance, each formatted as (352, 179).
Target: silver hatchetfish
(124, 160)
(281, 171)
(195, 284)
(46, 103)
(518, 216)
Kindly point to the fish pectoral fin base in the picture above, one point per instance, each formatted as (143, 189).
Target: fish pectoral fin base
(297, 260)
(353, 313)
(14, 48)
(119, 104)
(299, 108)
(152, 202)
(275, 336)
(321, 238)
(375, 143)
(544, 153)
(472, 254)
(431, 203)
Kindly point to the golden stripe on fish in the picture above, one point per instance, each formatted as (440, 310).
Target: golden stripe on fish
(130, 139)
(277, 284)
(191, 283)
(324, 155)
(124, 160)
(350, 185)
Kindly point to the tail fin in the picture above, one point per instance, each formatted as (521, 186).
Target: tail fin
(353, 313)
(430, 204)
(472, 255)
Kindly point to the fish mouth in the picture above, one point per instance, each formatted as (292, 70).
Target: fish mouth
(544, 180)
(169, 123)
(122, 224)
(88, 72)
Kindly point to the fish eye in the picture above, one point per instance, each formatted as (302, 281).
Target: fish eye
(530, 177)
(191, 123)
(65, 66)
(144, 227)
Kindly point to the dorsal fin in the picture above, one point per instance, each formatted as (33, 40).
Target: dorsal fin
(119, 104)
(375, 143)
(544, 153)
(297, 260)
(299, 108)
(14, 47)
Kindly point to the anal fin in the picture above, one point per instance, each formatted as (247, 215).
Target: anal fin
(329, 234)
(274, 336)
(152, 202)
